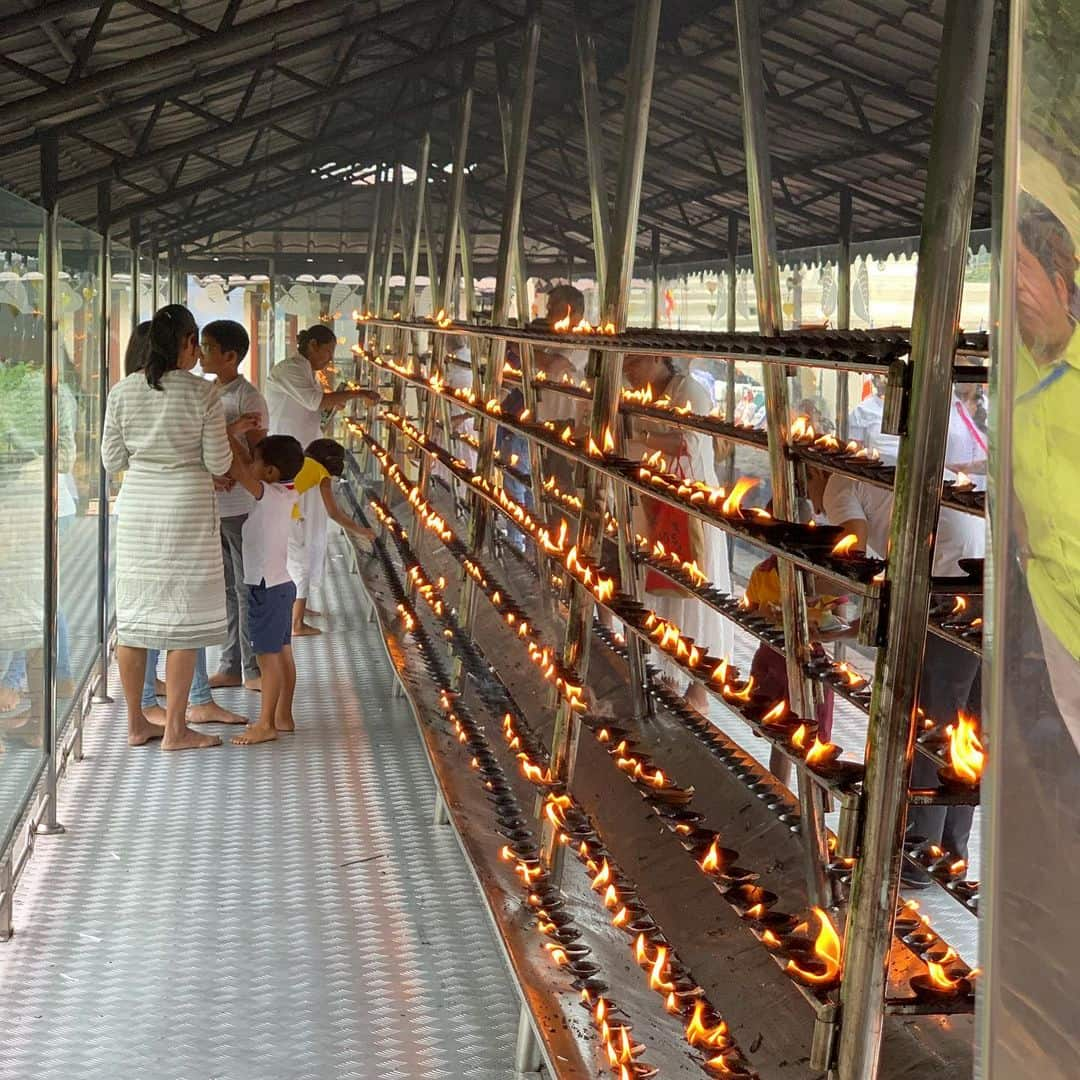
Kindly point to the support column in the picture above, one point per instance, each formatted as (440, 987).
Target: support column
(655, 278)
(135, 239)
(950, 187)
(785, 496)
(155, 273)
(101, 690)
(450, 237)
(504, 276)
(607, 388)
(468, 278)
(594, 152)
(408, 300)
(50, 176)
(843, 308)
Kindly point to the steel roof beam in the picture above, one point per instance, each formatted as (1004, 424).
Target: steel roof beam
(268, 117)
(258, 32)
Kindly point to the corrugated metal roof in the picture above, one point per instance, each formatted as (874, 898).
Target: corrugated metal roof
(208, 117)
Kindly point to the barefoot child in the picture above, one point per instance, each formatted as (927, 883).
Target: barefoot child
(275, 462)
(323, 460)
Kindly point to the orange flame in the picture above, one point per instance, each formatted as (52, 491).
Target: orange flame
(846, 545)
(798, 740)
(656, 977)
(821, 753)
(711, 860)
(827, 949)
(959, 605)
(698, 1033)
(733, 502)
(941, 979)
(777, 712)
(802, 429)
(966, 754)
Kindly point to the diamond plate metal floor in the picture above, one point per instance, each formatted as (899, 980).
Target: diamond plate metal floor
(285, 912)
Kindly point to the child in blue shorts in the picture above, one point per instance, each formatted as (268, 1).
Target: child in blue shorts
(275, 461)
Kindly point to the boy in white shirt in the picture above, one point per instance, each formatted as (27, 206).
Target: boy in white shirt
(224, 345)
(270, 592)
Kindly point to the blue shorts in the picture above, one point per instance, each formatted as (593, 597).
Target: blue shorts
(270, 616)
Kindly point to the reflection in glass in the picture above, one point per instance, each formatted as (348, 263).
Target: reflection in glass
(78, 481)
(23, 489)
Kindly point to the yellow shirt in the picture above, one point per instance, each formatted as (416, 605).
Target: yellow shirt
(311, 475)
(1046, 480)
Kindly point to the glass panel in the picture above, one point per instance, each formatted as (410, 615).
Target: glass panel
(120, 297)
(22, 503)
(79, 465)
(1033, 665)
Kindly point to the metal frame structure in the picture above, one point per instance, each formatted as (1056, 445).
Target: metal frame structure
(847, 1036)
(848, 1029)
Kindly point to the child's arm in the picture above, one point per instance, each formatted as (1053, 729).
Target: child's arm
(242, 473)
(335, 513)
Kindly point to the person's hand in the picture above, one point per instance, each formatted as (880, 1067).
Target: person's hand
(244, 423)
(372, 397)
(224, 483)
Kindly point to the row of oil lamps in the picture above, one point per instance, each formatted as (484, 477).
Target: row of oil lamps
(798, 736)
(819, 969)
(703, 1029)
(825, 546)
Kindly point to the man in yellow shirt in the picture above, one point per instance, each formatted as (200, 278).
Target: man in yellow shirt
(1046, 444)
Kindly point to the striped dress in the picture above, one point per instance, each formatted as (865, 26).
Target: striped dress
(170, 582)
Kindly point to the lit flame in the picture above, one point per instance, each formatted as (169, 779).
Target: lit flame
(966, 754)
(656, 977)
(699, 1033)
(846, 545)
(827, 949)
(941, 979)
(733, 502)
(711, 860)
(959, 605)
(798, 740)
(776, 713)
(821, 753)
(802, 429)
(563, 324)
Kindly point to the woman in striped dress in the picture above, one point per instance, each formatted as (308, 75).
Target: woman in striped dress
(165, 426)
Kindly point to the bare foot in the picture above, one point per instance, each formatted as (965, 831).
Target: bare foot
(212, 713)
(159, 687)
(305, 631)
(254, 733)
(254, 684)
(285, 723)
(8, 698)
(144, 733)
(223, 678)
(155, 714)
(189, 740)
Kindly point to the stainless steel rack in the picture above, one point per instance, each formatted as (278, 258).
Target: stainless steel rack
(920, 366)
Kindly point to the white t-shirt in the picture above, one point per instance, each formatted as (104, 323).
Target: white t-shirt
(266, 536)
(237, 398)
(967, 443)
(959, 535)
(295, 397)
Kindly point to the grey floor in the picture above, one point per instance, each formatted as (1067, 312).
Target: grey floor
(284, 912)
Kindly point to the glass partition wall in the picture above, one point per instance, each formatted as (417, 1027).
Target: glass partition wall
(23, 491)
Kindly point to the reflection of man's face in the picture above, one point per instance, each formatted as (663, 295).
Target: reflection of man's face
(1042, 307)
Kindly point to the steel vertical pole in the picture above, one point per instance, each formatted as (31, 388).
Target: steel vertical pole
(608, 384)
(950, 188)
(655, 278)
(450, 237)
(408, 300)
(594, 151)
(785, 496)
(391, 228)
(509, 228)
(468, 278)
(101, 691)
(843, 307)
(50, 175)
(371, 295)
(135, 239)
(155, 273)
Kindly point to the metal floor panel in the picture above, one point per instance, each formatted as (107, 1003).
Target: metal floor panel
(282, 912)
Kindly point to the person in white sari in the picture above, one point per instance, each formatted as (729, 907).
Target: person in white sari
(690, 452)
